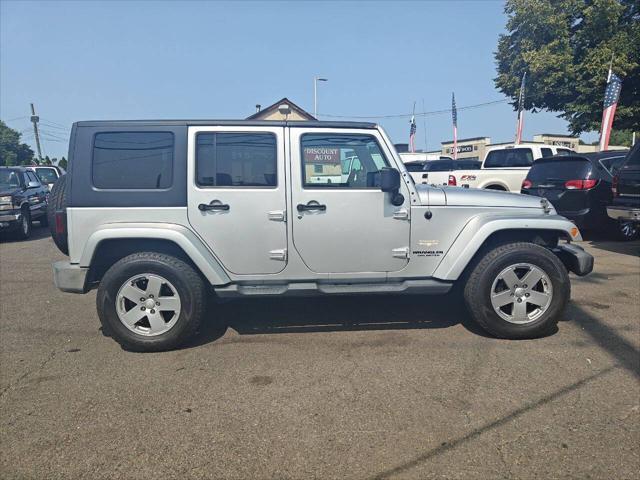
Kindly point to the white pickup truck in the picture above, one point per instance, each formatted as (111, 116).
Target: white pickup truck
(505, 166)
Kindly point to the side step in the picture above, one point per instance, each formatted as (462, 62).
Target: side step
(422, 286)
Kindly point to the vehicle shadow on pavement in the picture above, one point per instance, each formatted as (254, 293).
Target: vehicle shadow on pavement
(624, 354)
(335, 314)
(604, 241)
(37, 233)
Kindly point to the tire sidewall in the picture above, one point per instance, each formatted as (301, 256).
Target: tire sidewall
(107, 296)
(26, 217)
(551, 266)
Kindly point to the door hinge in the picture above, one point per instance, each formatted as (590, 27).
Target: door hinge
(400, 252)
(277, 215)
(280, 254)
(402, 214)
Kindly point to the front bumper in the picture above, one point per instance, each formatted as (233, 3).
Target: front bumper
(9, 219)
(575, 259)
(70, 277)
(624, 213)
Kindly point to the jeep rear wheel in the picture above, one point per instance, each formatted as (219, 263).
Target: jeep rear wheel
(151, 302)
(518, 290)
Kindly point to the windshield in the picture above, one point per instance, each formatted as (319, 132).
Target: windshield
(509, 157)
(9, 179)
(47, 175)
(439, 166)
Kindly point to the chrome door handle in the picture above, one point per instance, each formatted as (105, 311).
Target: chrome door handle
(402, 214)
(311, 206)
(203, 207)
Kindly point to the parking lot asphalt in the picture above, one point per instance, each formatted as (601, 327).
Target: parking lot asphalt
(348, 387)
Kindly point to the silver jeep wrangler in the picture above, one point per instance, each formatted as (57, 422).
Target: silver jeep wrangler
(161, 216)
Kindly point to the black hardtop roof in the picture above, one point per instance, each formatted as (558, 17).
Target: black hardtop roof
(591, 156)
(212, 123)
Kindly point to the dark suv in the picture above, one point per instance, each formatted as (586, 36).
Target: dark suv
(23, 198)
(625, 207)
(578, 185)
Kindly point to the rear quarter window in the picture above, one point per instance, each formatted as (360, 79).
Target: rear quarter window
(132, 160)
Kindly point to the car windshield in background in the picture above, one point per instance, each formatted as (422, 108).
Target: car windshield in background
(414, 166)
(9, 179)
(468, 165)
(438, 166)
(47, 175)
(554, 170)
(509, 157)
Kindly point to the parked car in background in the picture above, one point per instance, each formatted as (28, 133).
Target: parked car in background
(23, 198)
(577, 185)
(437, 172)
(625, 207)
(48, 174)
(505, 166)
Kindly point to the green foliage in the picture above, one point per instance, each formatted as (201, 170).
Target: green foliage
(12, 152)
(565, 47)
(63, 163)
(622, 137)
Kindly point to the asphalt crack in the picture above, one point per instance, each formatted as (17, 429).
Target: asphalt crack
(26, 374)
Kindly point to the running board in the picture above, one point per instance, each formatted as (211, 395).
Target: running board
(423, 286)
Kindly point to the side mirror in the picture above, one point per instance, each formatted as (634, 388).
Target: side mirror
(33, 184)
(389, 179)
(390, 182)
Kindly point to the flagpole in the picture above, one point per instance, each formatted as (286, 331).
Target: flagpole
(454, 115)
(424, 123)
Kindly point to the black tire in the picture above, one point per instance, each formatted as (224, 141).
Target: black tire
(58, 203)
(627, 230)
(26, 226)
(477, 292)
(189, 286)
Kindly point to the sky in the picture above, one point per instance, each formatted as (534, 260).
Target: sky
(203, 59)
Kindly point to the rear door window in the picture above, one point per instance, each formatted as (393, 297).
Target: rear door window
(546, 152)
(236, 160)
(413, 166)
(509, 157)
(439, 166)
(132, 160)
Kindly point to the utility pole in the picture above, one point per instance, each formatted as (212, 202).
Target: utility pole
(315, 94)
(35, 119)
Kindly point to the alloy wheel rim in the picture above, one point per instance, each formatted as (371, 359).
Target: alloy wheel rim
(521, 293)
(628, 229)
(148, 304)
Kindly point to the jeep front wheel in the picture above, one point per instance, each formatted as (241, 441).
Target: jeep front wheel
(518, 290)
(151, 302)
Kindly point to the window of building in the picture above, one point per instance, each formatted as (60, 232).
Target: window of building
(236, 160)
(133, 160)
(352, 161)
(509, 157)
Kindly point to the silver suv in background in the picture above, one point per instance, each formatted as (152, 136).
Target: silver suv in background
(161, 215)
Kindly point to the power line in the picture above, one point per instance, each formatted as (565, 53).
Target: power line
(419, 114)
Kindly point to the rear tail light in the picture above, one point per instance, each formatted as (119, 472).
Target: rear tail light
(61, 223)
(526, 184)
(614, 186)
(580, 184)
(452, 181)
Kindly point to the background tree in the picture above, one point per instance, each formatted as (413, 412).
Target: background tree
(63, 163)
(565, 47)
(12, 152)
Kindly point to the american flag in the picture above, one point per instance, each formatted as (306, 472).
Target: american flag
(520, 123)
(412, 134)
(611, 95)
(454, 117)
